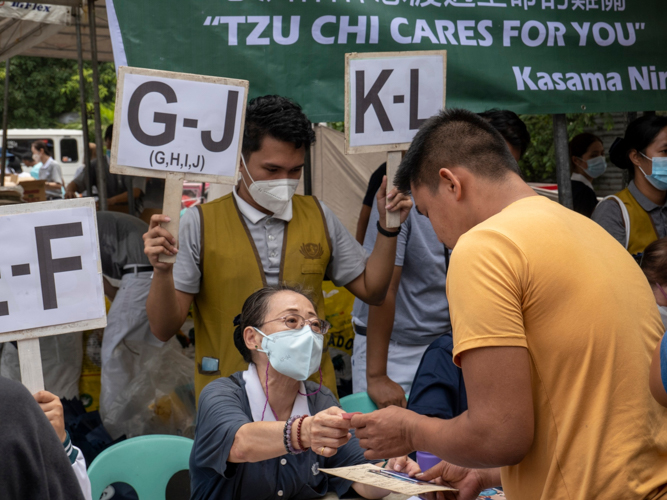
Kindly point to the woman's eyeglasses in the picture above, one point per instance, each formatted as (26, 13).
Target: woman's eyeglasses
(296, 322)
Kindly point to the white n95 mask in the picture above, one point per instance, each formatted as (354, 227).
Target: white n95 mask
(274, 195)
(294, 353)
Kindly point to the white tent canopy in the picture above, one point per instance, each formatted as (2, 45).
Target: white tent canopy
(51, 32)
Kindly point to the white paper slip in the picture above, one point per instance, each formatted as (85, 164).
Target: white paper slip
(384, 478)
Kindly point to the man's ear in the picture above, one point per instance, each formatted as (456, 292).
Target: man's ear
(450, 182)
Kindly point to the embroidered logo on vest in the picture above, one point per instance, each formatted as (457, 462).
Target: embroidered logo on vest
(312, 251)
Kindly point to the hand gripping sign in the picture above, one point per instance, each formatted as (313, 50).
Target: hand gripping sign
(177, 127)
(388, 95)
(50, 277)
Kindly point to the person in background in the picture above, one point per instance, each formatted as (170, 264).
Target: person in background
(53, 409)
(49, 171)
(511, 127)
(265, 432)
(391, 338)
(587, 162)
(33, 462)
(654, 265)
(367, 204)
(637, 215)
(121, 252)
(558, 402)
(117, 185)
(277, 237)
(31, 164)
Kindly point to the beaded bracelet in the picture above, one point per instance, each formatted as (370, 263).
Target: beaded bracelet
(298, 433)
(287, 436)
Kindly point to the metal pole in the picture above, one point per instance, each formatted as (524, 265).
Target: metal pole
(84, 111)
(562, 161)
(101, 171)
(5, 116)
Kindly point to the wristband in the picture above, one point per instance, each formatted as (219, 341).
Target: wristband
(287, 436)
(388, 234)
(298, 433)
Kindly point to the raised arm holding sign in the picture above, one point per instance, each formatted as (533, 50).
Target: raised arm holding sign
(388, 95)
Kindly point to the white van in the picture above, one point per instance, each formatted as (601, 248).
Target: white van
(65, 145)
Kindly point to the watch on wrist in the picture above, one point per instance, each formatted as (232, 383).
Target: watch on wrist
(388, 234)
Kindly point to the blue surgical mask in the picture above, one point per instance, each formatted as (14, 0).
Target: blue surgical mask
(658, 177)
(294, 353)
(595, 167)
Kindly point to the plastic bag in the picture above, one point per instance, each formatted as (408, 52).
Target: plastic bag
(160, 399)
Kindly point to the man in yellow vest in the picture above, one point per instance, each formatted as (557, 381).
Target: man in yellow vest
(261, 234)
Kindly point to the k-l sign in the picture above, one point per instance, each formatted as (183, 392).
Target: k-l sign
(389, 95)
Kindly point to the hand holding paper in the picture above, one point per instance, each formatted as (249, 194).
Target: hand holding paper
(385, 433)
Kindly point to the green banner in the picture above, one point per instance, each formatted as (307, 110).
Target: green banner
(531, 56)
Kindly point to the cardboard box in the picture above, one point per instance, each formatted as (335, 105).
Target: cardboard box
(33, 190)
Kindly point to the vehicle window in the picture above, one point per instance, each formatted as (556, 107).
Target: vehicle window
(68, 151)
(20, 147)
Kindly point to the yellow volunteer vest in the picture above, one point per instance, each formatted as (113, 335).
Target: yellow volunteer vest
(642, 232)
(232, 270)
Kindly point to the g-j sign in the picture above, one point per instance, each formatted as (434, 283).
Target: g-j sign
(532, 56)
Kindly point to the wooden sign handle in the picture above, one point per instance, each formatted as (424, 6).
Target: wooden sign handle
(393, 161)
(171, 207)
(30, 361)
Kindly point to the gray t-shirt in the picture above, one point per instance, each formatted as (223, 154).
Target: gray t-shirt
(348, 257)
(223, 409)
(422, 310)
(608, 214)
(51, 172)
(121, 242)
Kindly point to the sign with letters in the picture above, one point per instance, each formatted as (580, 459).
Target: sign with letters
(173, 122)
(50, 276)
(178, 127)
(389, 95)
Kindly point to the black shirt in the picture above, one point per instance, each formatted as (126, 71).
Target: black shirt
(374, 184)
(584, 198)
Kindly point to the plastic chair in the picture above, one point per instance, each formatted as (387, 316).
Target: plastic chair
(360, 401)
(146, 463)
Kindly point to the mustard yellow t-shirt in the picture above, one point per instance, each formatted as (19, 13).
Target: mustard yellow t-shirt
(543, 277)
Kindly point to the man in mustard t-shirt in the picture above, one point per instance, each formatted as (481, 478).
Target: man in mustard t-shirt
(553, 324)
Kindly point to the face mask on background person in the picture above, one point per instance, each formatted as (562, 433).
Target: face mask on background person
(595, 167)
(274, 195)
(658, 177)
(37, 157)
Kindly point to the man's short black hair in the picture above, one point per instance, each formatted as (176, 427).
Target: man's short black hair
(454, 137)
(278, 117)
(510, 126)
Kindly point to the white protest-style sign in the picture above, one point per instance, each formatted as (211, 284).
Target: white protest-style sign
(50, 277)
(36, 12)
(388, 95)
(174, 122)
(178, 126)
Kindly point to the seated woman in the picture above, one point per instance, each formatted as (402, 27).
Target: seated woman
(265, 432)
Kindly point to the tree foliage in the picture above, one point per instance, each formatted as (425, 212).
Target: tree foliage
(42, 89)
